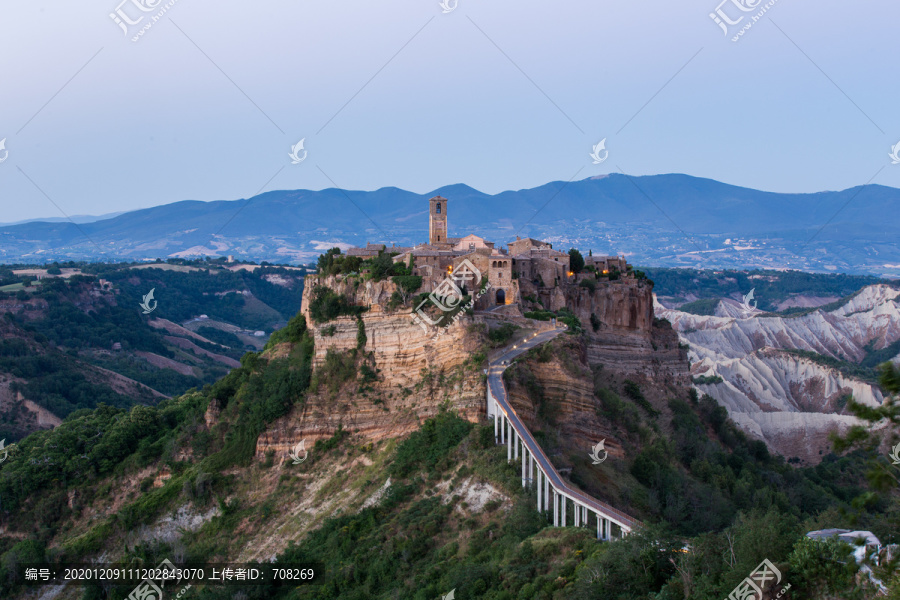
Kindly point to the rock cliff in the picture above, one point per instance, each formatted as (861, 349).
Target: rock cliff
(791, 402)
(419, 372)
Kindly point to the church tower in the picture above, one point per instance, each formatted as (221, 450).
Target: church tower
(437, 221)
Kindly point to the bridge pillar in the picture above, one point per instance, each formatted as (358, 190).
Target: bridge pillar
(555, 509)
(524, 452)
(496, 423)
(598, 524)
(531, 466)
(539, 490)
(516, 440)
(562, 513)
(546, 491)
(577, 514)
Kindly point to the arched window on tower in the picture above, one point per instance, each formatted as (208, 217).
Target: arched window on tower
(438, 208)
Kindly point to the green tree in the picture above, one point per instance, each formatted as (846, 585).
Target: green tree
(881, 474)
(576, 261)
(326, 260)
(822, 568)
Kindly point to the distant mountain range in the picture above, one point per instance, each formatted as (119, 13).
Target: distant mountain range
(663, 220)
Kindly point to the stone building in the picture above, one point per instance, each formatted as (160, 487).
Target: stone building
(607, 264)
(528, 259)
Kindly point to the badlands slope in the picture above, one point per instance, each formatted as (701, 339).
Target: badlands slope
(790, 402)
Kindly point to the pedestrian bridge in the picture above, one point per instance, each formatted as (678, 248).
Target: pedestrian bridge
(553, 494)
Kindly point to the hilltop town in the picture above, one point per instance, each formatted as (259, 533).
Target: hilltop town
(521, 270)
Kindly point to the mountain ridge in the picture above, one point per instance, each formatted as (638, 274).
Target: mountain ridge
(669, 220)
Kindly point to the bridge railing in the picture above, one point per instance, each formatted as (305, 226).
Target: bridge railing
(556, 481)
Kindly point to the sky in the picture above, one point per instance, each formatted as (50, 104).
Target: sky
(208, 103)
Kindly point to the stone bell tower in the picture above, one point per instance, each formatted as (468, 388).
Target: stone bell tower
(437, 220)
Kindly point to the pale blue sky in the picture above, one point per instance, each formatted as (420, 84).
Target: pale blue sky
(435, 98)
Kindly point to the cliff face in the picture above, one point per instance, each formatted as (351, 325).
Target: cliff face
(557, 392)
(419, 372)
(791, 402)
(627, 338)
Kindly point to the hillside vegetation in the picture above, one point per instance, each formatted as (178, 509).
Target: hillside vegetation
(79, 338)
(439, 510)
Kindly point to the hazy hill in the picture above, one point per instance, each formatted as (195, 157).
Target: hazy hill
(81, 338)
(663, 219)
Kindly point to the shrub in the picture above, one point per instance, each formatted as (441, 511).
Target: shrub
(292, 332)
(361, 338)
(367, 374)
(539, 315)
(408, 283)
(429, 446)
(707, 380)
(395, 300)
(326, 305)
(573, 322)
(595, 322)
(501, 335)
(589, 283)
(337, 369)
(822, 566)
(633, 390)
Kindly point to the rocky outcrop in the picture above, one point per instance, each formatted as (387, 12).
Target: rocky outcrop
(419, 372)
(791, 402)
(567, 396)
(872, 317)
(628, 339)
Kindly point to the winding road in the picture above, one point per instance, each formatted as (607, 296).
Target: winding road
(509, 429)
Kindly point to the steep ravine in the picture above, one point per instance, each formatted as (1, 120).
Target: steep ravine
(791, 402)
